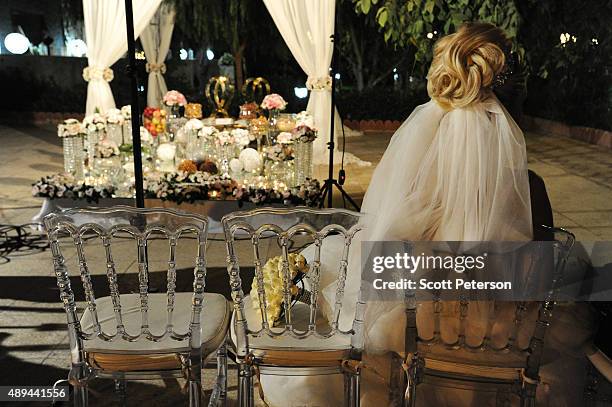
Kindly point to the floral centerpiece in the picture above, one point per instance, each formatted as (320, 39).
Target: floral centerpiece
(284, 137)
(155, 120)
(273, 101)
(303, 136)
(273, 279)
(72, 131)
(126, 111)
(95, 123)
(107, 148)
(278, 152)
(242, 137)
(71, 128)
(114, 116)
(208, 133)
(174, 98)
(304, 118)
(224, 138)
(67, 186)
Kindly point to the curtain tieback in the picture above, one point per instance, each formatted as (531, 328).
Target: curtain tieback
(91, 72)
(321, 83)
(153, 67)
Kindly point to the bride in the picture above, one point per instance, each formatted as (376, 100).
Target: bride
(456, 170)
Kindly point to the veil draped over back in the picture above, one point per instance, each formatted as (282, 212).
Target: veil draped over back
(458, 175)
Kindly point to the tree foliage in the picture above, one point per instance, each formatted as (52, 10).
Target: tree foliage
(419, 23)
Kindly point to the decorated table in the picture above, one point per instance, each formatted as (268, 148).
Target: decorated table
(210, 166)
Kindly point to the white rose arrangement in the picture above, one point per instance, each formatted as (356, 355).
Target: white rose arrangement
(207, 132)
(107, 148)
(70, 128)
(114, 116)
(194, 124)
(241, 137)
(224, 138)
(284, 138)
(273, 280)
(95, 123)
(126, 111)
(304, 118)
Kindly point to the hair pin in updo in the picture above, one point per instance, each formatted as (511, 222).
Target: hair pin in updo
(507, 71)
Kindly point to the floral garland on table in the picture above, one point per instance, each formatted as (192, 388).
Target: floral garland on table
(66, 186)
(189, 187)
(306, 194)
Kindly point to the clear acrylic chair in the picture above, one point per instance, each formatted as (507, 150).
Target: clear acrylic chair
(507, 369)
(140, 335)
(302, 342)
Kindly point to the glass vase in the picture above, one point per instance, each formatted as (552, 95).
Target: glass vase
(114, 133)
(91, 144)
(174, 121)
(107, 169)
(303, 162)
(126, 129)
(273, 126)
(279, 174)
(224, 154)
(74, 157)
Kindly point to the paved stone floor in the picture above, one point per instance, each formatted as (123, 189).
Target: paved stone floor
(33, 340)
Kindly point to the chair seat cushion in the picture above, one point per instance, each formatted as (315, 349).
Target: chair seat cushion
(214, 321)
(286, 347)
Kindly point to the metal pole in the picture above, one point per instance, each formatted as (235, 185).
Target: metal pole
(332, 117)
(136, 148)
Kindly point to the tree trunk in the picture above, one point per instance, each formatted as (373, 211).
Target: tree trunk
(238, 61)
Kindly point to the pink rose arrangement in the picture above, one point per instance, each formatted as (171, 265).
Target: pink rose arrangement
(174, 98)
(274, 101)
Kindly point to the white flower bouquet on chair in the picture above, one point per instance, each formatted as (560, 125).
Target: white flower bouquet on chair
(274, 282)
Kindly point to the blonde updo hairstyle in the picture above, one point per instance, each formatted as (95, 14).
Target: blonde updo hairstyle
(465, 64)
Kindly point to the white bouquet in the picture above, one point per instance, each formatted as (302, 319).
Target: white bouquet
(94, 123)
(273, 279)
(241, 137)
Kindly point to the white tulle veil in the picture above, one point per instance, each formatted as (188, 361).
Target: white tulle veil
(458, 175)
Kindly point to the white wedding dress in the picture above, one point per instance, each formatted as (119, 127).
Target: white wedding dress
(458, 175)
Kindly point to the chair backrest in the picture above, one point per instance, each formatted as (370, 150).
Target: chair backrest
(141, 226)
(561, 247)
(283, 228)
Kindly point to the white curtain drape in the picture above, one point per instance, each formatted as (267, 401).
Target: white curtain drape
(155, 41)
(106, 41)
(306, 26)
